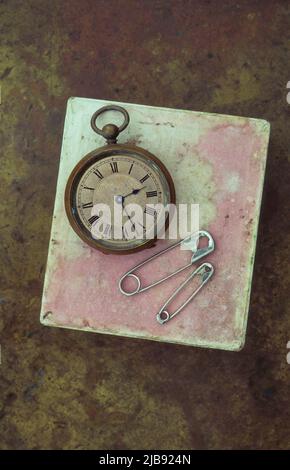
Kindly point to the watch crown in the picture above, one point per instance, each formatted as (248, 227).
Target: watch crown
(110, 132)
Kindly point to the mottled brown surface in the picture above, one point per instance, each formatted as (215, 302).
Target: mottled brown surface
(72, 390)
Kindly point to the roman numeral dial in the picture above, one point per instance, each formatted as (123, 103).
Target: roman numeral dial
(150, 210)
(142, 180)
(114, 167)
(93, 219)
(151, 193)
(122, 180)
(87, 205)
(98, 174)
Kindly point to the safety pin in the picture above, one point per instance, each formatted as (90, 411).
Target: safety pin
(190, 243)
(206, 271)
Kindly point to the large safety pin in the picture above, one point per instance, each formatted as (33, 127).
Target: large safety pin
(190, 243)
(206, 271)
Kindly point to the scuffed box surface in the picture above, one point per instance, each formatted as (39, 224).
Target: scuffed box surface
(217, 161)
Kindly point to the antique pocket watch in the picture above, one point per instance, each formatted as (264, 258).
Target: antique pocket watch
(121, 174)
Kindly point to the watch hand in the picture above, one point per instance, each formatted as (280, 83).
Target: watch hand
(129, 217)
(134, 191)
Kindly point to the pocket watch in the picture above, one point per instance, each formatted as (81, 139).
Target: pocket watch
(121, 174)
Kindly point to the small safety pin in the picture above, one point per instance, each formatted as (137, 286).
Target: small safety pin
(190, 243)
(206, 271)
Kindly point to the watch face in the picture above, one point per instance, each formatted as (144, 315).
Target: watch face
(114, 183)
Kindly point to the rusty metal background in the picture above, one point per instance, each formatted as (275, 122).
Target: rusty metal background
(69, 390)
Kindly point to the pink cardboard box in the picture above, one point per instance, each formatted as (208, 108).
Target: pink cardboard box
(216, 161)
